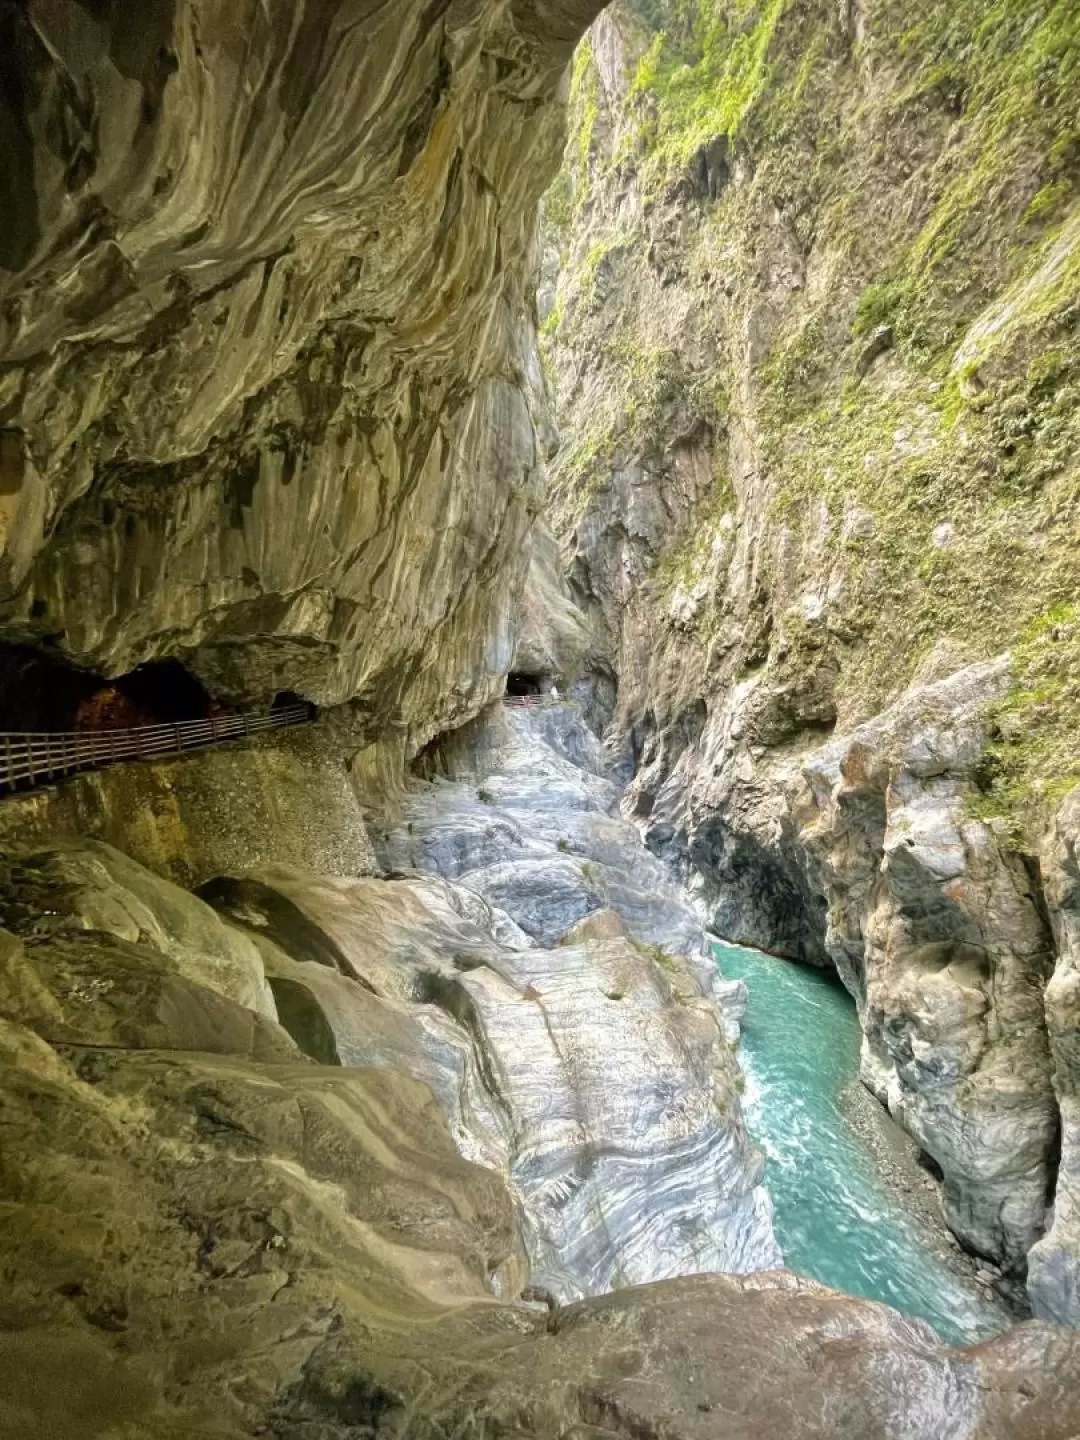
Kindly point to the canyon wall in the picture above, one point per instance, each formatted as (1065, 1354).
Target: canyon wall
(281, 1157)
(809, 315)
(269, 401)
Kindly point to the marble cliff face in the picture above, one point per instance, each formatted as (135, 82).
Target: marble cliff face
(809, 316)
(268, 396)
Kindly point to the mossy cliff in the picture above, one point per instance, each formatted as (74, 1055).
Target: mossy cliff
(844, 247)
(810, 318)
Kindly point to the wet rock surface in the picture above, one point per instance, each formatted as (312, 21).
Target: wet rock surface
(911, 1179)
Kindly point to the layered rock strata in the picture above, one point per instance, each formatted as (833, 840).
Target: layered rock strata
(628, 1149)
(208, 1233)
(268, 399)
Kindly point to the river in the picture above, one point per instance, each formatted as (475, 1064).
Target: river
(837, 1218)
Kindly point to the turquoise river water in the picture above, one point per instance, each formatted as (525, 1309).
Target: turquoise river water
(835, 1218)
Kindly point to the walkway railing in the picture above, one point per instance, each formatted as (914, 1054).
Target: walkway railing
(518, 701)
(27, 760)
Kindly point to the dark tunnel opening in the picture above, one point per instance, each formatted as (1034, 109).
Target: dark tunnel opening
(38, 692)
(518, 683)
(42, 692)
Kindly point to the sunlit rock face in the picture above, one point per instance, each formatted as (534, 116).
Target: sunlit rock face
(938, 931)
(942, 937)
(268, 386)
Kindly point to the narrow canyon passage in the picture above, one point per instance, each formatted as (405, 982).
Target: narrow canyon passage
(524, 811)
(838, 1216)
(628, 454)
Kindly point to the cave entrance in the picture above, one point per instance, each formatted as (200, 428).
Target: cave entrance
(287, 700)
(157, 693)
(518, 683)
(42, 692)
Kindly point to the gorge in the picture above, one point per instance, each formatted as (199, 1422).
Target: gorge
(712, 363)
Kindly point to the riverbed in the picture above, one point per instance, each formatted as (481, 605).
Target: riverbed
(848, 1208)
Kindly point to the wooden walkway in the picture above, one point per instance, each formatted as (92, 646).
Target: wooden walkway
(30, 760)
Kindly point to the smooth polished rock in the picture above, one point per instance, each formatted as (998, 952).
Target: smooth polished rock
(553, 635)
(95, 989)
(203, 1247)
(88, 886)
(526, 815)
(596, 1076)
(207, 1235)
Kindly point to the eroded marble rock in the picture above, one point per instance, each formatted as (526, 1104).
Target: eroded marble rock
(553, 635)
(217, 1242)
(269, 396)
(936, 927)
(527, 816)
(599, 1081)
(90, 887)
(1054, 1263)
(939, 932)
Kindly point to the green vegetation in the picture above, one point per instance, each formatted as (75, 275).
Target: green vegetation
(564, 198)
(924, 176)
(960, 457)
(881, 303)
(701, 74)
(673, 969)
(1012, 70)
(659, 956)
(1033, 757)
(687, 559)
